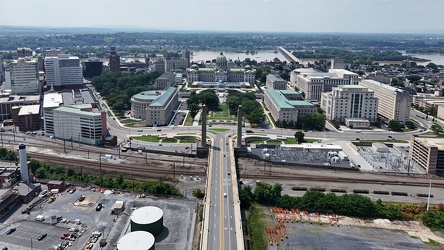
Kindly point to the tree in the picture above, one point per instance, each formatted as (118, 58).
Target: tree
(414, 78)
(395, 125)
(194, 109)
(437, 129)
(299, 135)
(246, 196)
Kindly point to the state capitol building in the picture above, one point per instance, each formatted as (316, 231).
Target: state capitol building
(221, 72)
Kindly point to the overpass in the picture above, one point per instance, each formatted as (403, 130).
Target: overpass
(287, 54)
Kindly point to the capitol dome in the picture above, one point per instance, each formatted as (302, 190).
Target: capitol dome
(194, 66)
(221, 62)
(248, 67)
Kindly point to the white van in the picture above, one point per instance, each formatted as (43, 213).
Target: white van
(54, 191)
(40, 218)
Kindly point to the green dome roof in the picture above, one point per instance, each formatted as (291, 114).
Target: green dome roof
(221, 58)
(194, 66)
(248, 67)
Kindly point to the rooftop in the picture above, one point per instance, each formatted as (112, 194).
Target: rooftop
(280, 99)
(18, 98)
(388, 87)
(29, 109)
(274, 78)
(52, 100)
(431, 142)
(163, 99)
(352, 87)
(76, 109)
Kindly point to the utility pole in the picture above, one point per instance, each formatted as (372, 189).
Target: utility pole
(81, 172)
(72, 146)
(13, 132)
(64, 146)
(428, 198)
(88, 153)
(1, 135)
(146, 158)
(100, 162)
(174, 170)
(119, 150)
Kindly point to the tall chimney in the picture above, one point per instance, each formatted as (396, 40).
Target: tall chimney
(24, 169)
(204, 126)
(239, 126)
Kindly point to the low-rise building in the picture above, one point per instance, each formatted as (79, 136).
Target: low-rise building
(27, 118)
(350, 101)
(427, 153)
(8, 101)
(284, 107)
(155, 107)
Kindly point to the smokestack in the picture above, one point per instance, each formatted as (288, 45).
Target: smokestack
(24, 169)
(204, 126)
(239, 126)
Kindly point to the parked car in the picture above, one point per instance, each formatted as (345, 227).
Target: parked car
(82, 198)
(42, 236)
(99, 207)
(10, 231)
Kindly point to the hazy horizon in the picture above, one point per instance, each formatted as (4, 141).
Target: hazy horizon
(278, 16)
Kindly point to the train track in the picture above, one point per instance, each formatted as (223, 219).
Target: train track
(274, 176)
(141, 169)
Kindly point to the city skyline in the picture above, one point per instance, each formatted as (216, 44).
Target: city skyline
(354, 16)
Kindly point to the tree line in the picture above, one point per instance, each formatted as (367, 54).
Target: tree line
(207, 97)
(252, 110)
(314, 121)
(118, 88)
(346, 204)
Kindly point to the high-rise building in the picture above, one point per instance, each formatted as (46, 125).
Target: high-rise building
(187, 55)
(52, 52)
(394, 103)
(24, 52)
(350, 101)
(63, 72)
(174, 64)
(114, 60)
(93, 67)
(24, 76)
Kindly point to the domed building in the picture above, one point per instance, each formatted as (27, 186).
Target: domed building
(221, 72)
(221, 62)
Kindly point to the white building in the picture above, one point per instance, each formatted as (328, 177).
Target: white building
(285, 105)
(64, 71)
(350, 101)
(394, 103)
(74, 115)
(314, 84)
(24, 76)
(275, 82)
(155, 107)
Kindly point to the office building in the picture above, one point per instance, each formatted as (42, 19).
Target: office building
(8, 101)
(155, 107)
(176, 64)
(287, 105)
(74, 116)
(187, 55)
(93, 67)
(24, 76)
(275, 82)
(159, 65)
(167, 79)
(314, 84)
(24, 52)
(63, 72)
(114, 60)
(26, 118)
(53, 52)
(393, 104)
(350, 101)
(427, 153)
(337, 64)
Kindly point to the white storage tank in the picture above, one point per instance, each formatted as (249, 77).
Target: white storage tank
(148, 219)
(139, 240)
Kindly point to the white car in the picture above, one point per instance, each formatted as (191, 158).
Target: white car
(225, 195)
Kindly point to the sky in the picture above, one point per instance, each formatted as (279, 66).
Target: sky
(357, 16)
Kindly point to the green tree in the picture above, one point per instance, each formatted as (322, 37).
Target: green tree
(194, 109)
(414, 78)
(246, 196)
(437, 129)
(198, 193)
(299, 135)
(395, 125)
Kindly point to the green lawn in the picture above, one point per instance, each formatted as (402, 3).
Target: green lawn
(274, 142)
(150, 138)
(132, 123)
(188, 120)
(292, 140)
(169, 140)
(187, 141)
(257, 142)
(186, 133)
(221, 130)
(221, 114)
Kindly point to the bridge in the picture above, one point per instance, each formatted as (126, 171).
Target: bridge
(287, 54)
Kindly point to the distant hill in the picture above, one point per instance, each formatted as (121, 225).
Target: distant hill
(36, 30)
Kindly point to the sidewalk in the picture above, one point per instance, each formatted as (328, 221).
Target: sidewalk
(113, 115)
(196, 118)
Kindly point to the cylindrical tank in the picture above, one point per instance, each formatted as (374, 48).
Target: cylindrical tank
(149, 219)
(24, 170)
(139, 240)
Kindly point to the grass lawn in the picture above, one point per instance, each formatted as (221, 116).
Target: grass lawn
(187, 141)
(274, 142)
(219, 129)
(132, 123)
(169, 140)
(291, 140)
(186, 133)
(221, 114)
(310, 140)
(188, 121)
(150, 138)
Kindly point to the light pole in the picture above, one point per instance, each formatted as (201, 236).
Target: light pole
(100, 162)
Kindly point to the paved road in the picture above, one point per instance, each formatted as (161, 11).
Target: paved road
(221, 234)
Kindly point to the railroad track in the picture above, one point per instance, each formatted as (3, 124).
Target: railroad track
(141, 169)
(417, 182)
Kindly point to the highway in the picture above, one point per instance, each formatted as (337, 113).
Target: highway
(221, 229)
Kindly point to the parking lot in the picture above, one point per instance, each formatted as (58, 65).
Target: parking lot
(78, 220)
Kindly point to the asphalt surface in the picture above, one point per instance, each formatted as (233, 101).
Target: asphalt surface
(221, 233)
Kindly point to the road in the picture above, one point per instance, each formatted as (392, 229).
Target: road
(221, 230)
